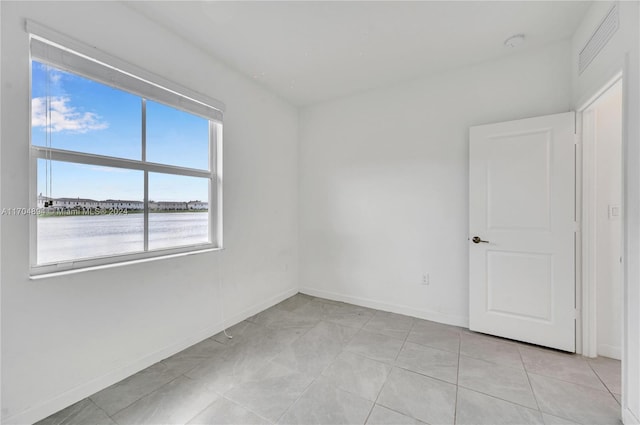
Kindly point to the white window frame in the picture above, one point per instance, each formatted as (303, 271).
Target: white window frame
(65, 53)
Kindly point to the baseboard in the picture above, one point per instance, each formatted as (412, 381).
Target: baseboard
(628, 418)
(434, 316)
(610, 351)
(80, 392)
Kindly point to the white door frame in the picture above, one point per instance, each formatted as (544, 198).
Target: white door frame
(586, 329)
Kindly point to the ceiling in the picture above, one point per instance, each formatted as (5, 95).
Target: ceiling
(308, 52)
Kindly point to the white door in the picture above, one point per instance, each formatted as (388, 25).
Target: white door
(522, 224)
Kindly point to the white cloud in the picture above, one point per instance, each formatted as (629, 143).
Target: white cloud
(51, 75)
(55, 76)
(63, 116)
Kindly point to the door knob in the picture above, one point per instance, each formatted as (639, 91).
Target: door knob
(476, 239)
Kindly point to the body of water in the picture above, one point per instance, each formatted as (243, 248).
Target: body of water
(82, 236)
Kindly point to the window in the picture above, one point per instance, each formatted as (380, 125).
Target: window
(125, 166)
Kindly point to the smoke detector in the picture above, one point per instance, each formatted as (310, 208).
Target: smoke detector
(514, 41)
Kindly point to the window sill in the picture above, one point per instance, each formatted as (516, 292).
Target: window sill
(47, 275)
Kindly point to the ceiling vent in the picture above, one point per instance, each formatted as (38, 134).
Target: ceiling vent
(599, 39)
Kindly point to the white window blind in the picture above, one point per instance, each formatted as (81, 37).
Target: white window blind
(46, 46)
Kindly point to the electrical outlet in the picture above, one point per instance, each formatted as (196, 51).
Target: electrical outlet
(425, 278)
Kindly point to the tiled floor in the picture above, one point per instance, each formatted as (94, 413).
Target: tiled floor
(314, 361)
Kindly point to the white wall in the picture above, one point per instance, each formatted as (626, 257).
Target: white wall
(608, 176)
(384, 181)
(622, 52)
(67, 337)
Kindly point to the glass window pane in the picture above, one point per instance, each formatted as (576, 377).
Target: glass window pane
(178, 210)
(176, 137)
(78, 114)
(90, 211)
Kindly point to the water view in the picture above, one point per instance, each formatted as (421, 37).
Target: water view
(83, 236)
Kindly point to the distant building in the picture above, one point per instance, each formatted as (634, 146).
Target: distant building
(120, 204)
(167, 206)
(42, 200)
(197, 205)
(67, 203)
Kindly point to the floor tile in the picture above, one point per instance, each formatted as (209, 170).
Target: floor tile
(232, 367)
(567, 367)
(554, 420)
(491, 349)
(474, 408)
(120, 395)
(225, 412)
(81, 413)
(315, 350)
(271, 341)
(281, 319)
(507, 383)
(380, 415)
(575, 402)
(429, 361)
(424, 324)
(375, 346)
(294, 302)
(427, 399)
(270, 391)
(310, 360)
(350, 315)
(434, 335)
(325, 404)
(239, 333)
(358, 375)
(315, 310)
(264, 341)
(609, 371)
(174, 403)
(390, 324)
(259, 335)
(186, 360)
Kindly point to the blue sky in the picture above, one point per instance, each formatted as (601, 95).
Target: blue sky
(87, 116)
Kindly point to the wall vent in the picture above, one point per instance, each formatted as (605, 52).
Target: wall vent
(599, 39)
